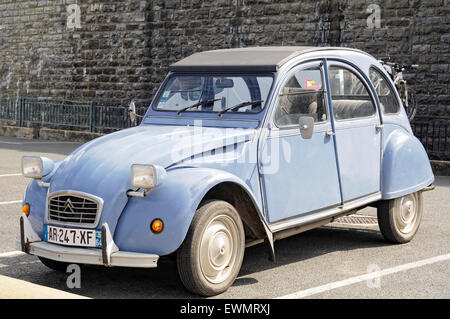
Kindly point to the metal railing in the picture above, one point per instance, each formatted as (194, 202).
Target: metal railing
(105, 117)
(93, 116)
(434, 133)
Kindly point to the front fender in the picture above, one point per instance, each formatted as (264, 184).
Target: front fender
(175, 202)
(35, 196)
(406, 167)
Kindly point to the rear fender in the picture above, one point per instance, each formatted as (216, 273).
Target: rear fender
(405, 166)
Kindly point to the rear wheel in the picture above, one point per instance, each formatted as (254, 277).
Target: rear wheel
(399, 218)
(211, 256)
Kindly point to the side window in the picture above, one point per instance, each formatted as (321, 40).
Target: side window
(302, 95)
(388, 101)
(350, 97)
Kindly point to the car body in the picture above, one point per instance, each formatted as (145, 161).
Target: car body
(322, 134)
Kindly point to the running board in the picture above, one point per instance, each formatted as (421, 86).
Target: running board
(295, 225)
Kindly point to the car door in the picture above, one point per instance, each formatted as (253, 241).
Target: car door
(358, 131)
(299, 175)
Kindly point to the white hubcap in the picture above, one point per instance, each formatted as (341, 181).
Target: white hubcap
(218, 248)
(406, 216)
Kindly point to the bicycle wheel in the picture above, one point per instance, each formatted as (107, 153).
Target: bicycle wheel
(411, 106)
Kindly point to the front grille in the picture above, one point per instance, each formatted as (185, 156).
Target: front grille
(73, 209)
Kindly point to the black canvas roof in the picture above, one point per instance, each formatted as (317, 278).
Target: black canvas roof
(266, 59)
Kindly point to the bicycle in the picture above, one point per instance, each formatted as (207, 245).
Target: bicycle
(408, 96)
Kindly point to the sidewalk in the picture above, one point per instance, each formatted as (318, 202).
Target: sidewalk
(11, 288)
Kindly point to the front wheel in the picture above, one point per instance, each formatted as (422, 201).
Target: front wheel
(211, 255)
(399, 218)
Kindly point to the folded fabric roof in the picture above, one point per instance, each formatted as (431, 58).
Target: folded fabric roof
(250, 59)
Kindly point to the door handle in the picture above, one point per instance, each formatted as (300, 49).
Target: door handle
(379, 127)
(329, 133)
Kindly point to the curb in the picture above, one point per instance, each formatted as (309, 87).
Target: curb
(20, 132)
(47, 134)
(12, 288)
(440, 168)
(66, 135)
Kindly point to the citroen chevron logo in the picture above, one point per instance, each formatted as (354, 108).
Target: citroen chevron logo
(68, 206)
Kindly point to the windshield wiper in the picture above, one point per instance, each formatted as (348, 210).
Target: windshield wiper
(238, 106)
(197, 104)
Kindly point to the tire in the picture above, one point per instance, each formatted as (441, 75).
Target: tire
(399, 218)
(412, 107)
(217, 230)
(53, 264)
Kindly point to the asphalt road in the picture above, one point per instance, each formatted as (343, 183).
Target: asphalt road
(334, 261)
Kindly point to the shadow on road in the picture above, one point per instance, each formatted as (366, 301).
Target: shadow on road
(163, 282)
(313, 243)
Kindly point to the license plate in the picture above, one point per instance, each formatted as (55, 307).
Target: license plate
(73, 236)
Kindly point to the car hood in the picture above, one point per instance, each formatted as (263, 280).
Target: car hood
(101, 167)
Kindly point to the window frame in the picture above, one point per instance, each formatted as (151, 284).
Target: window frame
(393, 90)
(349, 68)
(236, 74)
(298, 68)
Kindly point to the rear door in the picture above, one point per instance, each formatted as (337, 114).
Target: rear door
(358, 131)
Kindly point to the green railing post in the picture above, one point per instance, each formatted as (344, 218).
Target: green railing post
(17, 110)
(21, 110)
(93, 114)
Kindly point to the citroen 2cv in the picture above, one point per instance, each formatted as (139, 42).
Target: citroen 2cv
(238, 147)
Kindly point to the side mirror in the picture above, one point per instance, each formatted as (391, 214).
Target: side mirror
(132, 110)
(306, 124)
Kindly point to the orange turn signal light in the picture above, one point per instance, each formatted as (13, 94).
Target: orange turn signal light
(26, 209)
(157, 225)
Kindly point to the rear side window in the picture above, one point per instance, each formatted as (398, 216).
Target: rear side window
(388, 101)
(350, 97)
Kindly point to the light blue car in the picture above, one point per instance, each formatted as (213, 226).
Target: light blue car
(239, 147)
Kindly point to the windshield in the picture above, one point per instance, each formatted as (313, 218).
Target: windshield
(214, 93)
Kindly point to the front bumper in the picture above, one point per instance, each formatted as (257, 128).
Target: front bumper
(109, 255)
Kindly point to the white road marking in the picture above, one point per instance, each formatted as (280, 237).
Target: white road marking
(365, 277)
(10, 143)
(12, 254)
(11, 202)
(38, 142)
(9, 175)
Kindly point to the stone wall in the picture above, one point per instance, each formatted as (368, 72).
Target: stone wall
(45, 52)
(120, 50)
